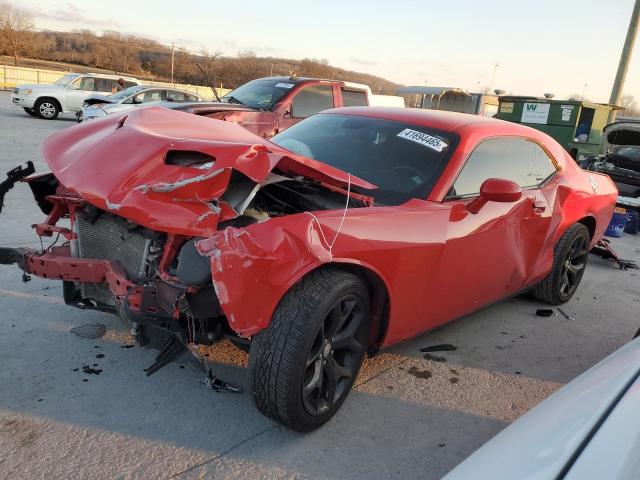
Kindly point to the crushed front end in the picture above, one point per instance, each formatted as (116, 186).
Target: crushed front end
(124, 237)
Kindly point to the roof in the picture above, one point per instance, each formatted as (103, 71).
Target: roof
(424, 90)
(439, 119)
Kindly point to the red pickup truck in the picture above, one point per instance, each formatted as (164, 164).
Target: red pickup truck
(266, 106)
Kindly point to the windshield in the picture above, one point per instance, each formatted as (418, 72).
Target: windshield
(122, 94)
(403, 160)
(260, 94)
(66, 79)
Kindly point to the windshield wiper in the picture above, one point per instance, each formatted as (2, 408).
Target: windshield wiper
(232, 99)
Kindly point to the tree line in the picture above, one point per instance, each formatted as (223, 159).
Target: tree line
(148, 59)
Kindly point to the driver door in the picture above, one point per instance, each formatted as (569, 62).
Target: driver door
(490, 254)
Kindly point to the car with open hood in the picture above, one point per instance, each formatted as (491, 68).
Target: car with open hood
(621, 157)
(99, 106)
(348, 232)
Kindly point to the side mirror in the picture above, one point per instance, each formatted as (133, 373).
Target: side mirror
(495, 190)
(288, 111)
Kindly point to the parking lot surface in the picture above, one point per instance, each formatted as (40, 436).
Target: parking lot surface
(408, 416)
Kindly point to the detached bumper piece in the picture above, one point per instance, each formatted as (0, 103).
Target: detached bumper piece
(14, 176)
(604, 249)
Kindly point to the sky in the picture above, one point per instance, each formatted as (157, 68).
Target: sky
(540, 46)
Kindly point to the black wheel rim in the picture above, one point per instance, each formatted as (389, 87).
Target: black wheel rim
(573, 266)
(334, 357)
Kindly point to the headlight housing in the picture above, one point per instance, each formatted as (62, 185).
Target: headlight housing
(25, 91)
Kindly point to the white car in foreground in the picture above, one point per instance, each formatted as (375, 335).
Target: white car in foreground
(588, 430)
(98, 106)
(66, 94)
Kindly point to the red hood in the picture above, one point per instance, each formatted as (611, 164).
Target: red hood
(118, 164)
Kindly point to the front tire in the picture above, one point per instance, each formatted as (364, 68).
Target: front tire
(302, 367)
(569, 263)
(47, 109)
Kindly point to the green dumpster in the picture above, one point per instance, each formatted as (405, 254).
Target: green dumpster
(576, 125)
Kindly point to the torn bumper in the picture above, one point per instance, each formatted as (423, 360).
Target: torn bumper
(58, 264)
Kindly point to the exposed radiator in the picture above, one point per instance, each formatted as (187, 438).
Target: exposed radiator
(107, 237)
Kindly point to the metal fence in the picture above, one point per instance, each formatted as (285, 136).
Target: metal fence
(12, 76)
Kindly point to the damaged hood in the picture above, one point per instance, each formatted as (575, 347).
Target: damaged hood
(169, 171)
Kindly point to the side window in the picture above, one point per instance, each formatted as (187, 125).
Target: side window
(312, 99)
(173, 96)
(354, 98)
(148, 96)
(516, 159)
(192, 98)
(128, 84)
(103, 85)
(88, 84)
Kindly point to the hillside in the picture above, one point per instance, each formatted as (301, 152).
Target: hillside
(148, 59)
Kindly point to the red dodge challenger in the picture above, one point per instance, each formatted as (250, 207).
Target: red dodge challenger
(352, 230)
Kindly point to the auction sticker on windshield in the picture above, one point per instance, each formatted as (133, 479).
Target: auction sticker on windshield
(285, 85)
(430, 141)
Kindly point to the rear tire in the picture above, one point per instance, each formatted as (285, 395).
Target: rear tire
(302, 367)
(569, 263)
(30, 111)
(47, 108)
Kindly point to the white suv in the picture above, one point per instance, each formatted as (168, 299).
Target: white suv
(66, 94)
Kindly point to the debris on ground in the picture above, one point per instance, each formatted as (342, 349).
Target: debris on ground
(434, 358)
(416, 372)
(544, 312)
(89, 330)
(443, 347)
(217, 385)
(604, 249)
(565, 314)
(100, 355)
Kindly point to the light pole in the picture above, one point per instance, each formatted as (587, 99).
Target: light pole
(493, 77)
(625, 56)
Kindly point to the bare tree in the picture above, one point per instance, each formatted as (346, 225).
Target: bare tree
(15, 31)
(629, 106)
(117, 51)
(207, 64)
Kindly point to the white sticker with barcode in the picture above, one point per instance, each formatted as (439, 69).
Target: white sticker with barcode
(430, 141)
(285, 85)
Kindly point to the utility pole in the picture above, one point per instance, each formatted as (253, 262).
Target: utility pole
(493, 77)
(172, 56)
(625, 57)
